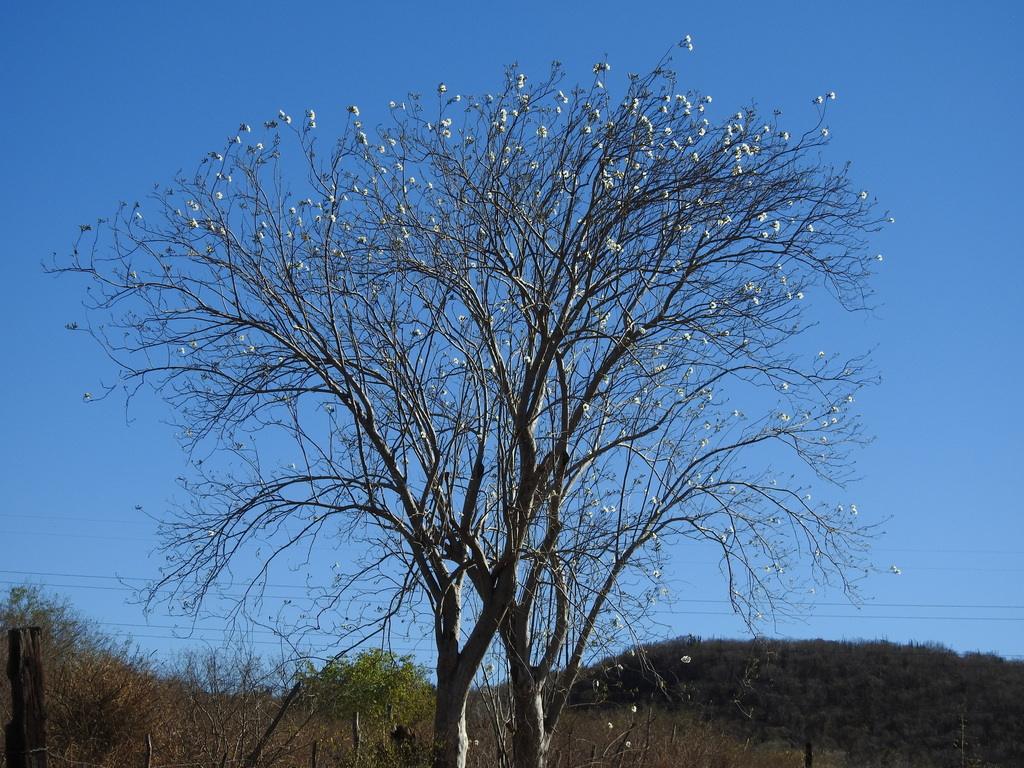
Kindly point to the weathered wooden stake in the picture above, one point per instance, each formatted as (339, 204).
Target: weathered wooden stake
(357, 737)
(149, 751)
(313, 755)
(25, 735)
(808, 755)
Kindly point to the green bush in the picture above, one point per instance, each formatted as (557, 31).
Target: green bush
(376, 684)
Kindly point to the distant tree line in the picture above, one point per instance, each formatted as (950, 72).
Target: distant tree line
(881, 703)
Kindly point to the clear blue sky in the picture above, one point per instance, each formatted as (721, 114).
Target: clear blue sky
(101, 100)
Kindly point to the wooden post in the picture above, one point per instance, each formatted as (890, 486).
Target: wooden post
(808, 755)
(357, 737)
(675, 730)
(312, 754)
(149, 751)
(25, 735)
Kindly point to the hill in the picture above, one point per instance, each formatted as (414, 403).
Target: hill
(880, 703)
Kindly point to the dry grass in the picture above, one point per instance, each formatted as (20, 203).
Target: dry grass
(213, 711)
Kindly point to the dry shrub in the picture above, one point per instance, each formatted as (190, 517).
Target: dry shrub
(210, 708)
(101, 706)
(100, 694)
(649, 738)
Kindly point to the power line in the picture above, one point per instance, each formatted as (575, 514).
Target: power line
(865, 616)
(71, 518)
(670, 611)
(711, 601)
(49, 534)
(118, 577)
(149, 520)
(76, 519)
(230, 595)
(926, 550)
(132, 636)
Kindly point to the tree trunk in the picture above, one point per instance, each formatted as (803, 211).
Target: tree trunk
(456, 667)
(530, 737)
(25, 734)
(451, 741)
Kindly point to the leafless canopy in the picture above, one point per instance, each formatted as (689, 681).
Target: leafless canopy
(517, 339)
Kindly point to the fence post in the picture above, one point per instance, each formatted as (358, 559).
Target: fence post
(149, 751)
(313, 755)
(808, 755)
(357, 736)
(25, 735)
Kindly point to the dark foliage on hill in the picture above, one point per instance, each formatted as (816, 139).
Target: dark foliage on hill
(881, 703)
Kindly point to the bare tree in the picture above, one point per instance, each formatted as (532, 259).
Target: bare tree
(517, 340)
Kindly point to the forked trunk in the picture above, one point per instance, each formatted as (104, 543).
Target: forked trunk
(456, 667)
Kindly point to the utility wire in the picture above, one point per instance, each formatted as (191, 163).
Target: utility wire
(713, 601)
(69, 518)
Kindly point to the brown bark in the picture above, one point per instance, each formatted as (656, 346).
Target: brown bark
(25, 734)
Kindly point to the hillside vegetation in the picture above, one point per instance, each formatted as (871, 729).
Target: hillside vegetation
(685, 703)
(880, 703)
